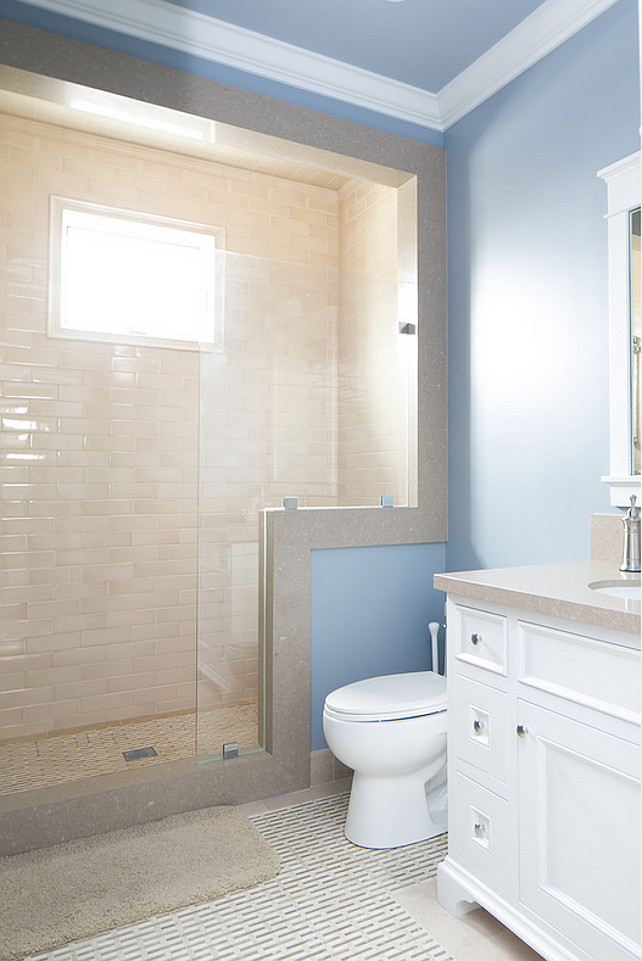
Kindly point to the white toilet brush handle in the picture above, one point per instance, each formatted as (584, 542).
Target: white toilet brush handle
(433, 627)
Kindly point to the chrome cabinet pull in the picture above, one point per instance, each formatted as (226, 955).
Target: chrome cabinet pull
(479, 829)
(475, 638)
(478, 726)
(522, 730)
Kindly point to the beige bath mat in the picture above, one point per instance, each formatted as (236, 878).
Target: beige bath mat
(78, 889)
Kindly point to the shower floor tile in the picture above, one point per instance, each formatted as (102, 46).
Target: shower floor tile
(56, 758)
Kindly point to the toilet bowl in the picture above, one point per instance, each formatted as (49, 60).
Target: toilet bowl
(391, 731)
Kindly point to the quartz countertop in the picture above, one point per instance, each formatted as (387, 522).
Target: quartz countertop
(559, 590)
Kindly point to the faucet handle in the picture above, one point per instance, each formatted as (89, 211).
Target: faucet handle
(634, 511)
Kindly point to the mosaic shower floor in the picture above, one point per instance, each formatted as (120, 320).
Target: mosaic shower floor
(55, 758)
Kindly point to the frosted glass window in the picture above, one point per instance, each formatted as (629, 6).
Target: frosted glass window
(123, 276)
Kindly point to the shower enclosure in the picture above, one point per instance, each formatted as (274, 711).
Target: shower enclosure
(137, 475)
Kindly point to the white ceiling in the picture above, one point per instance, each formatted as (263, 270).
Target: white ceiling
(428, 62)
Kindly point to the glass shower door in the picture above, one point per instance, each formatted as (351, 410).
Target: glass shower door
(311, 396)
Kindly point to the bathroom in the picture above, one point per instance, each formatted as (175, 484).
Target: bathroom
(527, 378)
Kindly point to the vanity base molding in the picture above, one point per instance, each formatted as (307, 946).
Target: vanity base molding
(460, 893)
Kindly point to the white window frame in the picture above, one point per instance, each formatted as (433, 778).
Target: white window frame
(205, 240)
(624, 195)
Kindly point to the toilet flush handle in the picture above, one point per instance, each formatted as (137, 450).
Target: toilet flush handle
(433, 627)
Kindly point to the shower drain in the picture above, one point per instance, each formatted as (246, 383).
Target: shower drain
(139, 753)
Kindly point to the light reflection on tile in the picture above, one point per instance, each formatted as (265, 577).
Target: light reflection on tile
(28, 764)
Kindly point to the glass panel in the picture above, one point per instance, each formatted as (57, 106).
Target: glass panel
(313, 397)
(635, 340)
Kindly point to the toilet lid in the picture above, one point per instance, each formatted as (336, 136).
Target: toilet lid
(391, 697)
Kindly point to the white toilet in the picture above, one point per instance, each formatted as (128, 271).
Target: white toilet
(391, 731)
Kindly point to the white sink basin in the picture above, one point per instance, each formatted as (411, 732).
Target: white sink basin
(628, 588)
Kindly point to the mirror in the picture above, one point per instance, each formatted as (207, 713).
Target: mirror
(624, 197)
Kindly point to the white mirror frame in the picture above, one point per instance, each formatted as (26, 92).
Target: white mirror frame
(624, 194)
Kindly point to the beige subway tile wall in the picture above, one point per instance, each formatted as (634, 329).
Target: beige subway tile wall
(375, 362)
(98, 446)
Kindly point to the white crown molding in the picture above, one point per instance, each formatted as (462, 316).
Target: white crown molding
(545, 29)
(193, 33)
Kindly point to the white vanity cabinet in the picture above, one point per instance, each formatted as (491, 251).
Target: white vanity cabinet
(544, 780)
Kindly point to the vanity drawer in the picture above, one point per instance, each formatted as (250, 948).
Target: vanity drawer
(481, 638)
(480, 726)
(586, 670)
(481, 831)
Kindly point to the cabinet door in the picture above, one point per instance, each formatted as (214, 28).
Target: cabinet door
(579, 812)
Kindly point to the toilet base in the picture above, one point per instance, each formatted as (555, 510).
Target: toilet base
(389, 812)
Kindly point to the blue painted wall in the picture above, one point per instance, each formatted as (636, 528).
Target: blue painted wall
(527, 261)
(370, 610)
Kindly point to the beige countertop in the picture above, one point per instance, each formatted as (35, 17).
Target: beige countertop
(559, 590)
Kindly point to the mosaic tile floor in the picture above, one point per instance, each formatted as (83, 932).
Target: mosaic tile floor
(56, 758)
(331, 901)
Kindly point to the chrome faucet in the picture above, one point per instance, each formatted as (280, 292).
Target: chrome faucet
(631, 521)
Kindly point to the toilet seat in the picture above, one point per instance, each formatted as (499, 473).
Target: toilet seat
(389, 698)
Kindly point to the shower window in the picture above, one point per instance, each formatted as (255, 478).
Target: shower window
(133, 277)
